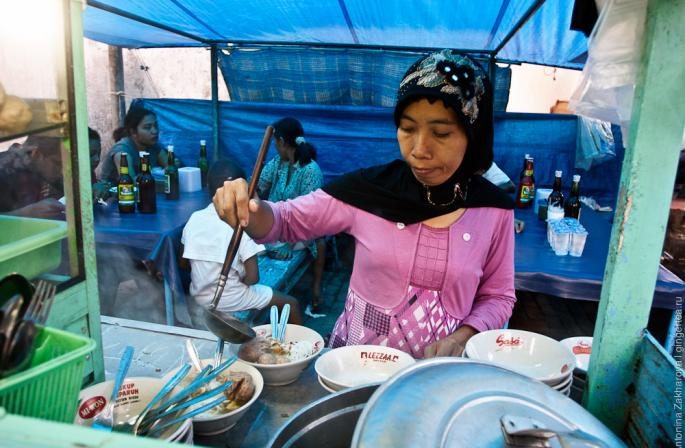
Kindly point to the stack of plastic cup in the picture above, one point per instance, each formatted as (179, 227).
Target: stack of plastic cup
(566, 236)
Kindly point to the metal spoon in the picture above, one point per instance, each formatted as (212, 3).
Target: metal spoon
(220, 323)
(218, 352)
(193, 355)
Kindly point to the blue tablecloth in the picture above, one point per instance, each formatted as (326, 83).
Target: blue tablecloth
(538, 269)
(150, 237)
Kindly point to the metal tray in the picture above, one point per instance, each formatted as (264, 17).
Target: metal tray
(448, 402)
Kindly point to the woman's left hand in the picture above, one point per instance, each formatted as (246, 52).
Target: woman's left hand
(452, 345)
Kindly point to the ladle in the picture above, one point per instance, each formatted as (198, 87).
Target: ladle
(220, 323)
(21, 349)
(12, 311)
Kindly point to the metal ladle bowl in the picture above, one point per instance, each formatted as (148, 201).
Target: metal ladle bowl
(220, 323)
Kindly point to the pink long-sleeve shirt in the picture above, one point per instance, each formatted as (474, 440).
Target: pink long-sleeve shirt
(479, 283)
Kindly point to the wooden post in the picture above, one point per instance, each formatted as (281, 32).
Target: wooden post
(116, 77)
(645, 192)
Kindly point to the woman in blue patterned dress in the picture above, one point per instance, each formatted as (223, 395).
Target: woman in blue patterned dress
(292, 173)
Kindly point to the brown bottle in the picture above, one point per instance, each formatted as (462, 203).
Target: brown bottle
(125, 192)
(525, 195)
(147, 199)
(573, 204)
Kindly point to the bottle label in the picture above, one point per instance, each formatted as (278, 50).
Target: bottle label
(525, 194)
(167, 184)
(126, 194)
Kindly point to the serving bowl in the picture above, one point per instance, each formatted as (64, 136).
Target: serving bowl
(135, 393)
(209, 424)
(528, 353)
(355, 365)
(289, 372)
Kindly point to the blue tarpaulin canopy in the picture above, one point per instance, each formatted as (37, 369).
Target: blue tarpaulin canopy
(530, 31)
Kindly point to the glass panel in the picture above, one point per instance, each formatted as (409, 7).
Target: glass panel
(38, 232)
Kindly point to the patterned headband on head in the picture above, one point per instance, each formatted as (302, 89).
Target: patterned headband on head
(454, 78)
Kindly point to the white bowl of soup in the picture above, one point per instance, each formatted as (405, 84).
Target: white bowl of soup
(281, 363)
(247, 387)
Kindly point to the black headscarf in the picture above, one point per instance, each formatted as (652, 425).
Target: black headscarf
(391, 191)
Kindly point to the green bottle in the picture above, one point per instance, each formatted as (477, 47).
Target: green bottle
(171, 172)
(203, 163)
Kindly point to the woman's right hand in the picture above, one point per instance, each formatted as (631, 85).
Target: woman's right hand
(233, 204)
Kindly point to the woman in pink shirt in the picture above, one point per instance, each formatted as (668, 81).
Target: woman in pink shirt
(434, 260)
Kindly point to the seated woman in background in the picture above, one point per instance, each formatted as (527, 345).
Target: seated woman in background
(142, 133)
(205, 241)
(292, 173)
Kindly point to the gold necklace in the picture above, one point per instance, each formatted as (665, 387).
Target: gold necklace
(457, 192)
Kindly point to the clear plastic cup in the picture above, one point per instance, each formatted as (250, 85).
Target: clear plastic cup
(561, 241)
(578, 240)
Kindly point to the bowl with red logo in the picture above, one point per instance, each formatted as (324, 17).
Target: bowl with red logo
(355, 365)
(134, 395)
(581, 347)
(531, 354)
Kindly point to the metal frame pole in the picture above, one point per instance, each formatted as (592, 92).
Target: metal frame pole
(214, 54)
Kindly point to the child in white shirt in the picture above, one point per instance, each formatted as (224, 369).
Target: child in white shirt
(205, 241)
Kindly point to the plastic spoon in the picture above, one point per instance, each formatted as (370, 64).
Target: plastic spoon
(285, 315)
(273, 319)
(105, 419)
(160, 427)
(218, 352)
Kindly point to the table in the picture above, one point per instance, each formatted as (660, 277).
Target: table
(538, 269)
(153, 238)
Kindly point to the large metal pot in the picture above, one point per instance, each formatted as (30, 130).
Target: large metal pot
(328, 422)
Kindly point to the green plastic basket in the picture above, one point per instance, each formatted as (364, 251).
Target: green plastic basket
(49, 388)
(30, 246)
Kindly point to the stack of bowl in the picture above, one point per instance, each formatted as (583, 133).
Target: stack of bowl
(134, 395)
(581, 347)
(356, 365)
(531, 354)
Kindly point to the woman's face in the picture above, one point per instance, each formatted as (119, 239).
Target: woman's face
(432, 141)
(284, 151)
(147, 132)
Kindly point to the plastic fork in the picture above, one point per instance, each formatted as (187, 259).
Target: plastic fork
(105, 419)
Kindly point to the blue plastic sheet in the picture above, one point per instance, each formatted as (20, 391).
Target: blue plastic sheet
(464, 24)
(327, 76)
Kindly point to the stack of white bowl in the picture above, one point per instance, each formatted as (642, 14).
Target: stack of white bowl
(134, 395)
(356, 365)
(528, 353)
(581, 347)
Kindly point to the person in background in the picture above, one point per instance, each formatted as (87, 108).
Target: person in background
(31, 179)
(142, 134)
(205, 241)
(292, 173)
(434, 240)
(95, 147)
(498, 177)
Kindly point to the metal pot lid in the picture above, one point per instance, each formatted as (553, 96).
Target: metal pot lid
(447, 402)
